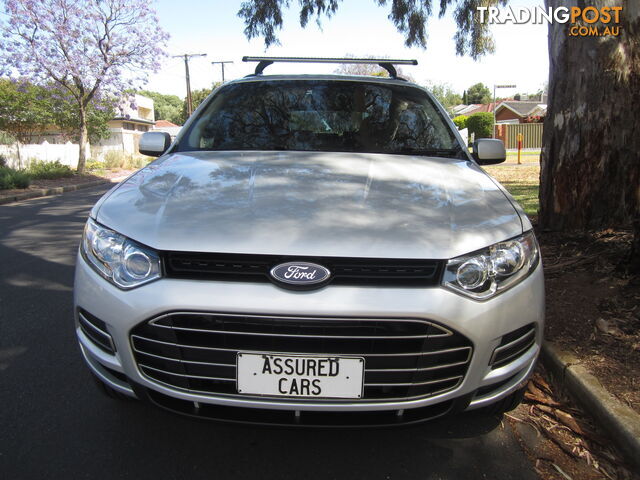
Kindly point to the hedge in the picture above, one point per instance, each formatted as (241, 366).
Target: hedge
(480, 124)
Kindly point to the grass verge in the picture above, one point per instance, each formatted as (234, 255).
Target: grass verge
(522, 181)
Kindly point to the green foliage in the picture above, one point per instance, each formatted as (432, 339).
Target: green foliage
(263, 18)
(94, 165)
(6, 138)
(480, 124)
(461, 121)
(48, 170)
(197, 97)
(478, 93)
(445, 94)
(24, 109)
(27, 109)
(11, 178)
(114, 160)
(64, 110)
(167, 107)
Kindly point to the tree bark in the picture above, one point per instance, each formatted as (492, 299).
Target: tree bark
(82, 139)
(590, 163)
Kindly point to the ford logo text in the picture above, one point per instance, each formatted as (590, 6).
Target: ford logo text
(300, 273)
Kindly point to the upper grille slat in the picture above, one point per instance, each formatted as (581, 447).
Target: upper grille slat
(411, 354)
(404, 358)
(344, 337)
(344, 271)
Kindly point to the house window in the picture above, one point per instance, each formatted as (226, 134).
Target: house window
(128, 126)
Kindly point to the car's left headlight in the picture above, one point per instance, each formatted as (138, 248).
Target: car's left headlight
(487, 272)
(118, 259)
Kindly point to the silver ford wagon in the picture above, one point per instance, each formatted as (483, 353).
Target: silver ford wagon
(313, 250)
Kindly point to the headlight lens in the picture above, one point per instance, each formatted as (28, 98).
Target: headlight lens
(121, 261)
(487, 272)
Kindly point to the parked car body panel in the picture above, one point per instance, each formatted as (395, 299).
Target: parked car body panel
(312, 203)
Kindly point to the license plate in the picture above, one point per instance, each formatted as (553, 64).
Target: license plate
(300, 375)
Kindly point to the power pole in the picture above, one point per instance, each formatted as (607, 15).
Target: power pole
(186, 57)
(222, 65)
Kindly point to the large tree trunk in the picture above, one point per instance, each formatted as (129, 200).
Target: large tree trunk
(82, 140)
(590, 165)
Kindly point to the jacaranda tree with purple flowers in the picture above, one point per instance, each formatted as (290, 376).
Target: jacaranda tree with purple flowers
(88, 48)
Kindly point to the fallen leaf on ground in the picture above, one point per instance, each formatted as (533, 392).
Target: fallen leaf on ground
(608, 327)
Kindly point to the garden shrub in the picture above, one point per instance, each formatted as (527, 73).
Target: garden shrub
(116, 159)
(92, 165)
(11, 178)
(137, 162)
(47, 170)
(480, 124)
(461, 122)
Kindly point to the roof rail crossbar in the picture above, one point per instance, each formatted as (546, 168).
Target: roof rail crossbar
(386, 63)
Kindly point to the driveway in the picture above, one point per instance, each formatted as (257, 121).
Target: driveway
(55, 424)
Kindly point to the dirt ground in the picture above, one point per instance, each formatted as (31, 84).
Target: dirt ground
(592, 310)
(593, 306)
(561, 440)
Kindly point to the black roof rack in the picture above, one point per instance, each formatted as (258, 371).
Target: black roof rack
(386, 63)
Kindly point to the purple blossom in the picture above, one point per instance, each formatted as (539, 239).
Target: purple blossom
(87, 47)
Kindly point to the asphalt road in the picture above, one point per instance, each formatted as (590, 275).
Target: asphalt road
(55, 424)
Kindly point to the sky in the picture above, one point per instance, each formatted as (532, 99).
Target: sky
(360, 28)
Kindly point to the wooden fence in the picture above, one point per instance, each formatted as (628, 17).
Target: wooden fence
(531, 132)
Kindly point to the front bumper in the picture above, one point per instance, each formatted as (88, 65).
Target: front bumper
(483, 323)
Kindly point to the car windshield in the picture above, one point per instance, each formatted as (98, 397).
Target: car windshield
(322, 115)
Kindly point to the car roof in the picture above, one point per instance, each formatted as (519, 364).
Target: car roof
(328, 77)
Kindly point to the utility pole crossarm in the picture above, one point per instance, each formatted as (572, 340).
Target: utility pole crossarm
(222, 62)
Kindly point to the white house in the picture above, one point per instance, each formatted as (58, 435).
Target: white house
(135, 116)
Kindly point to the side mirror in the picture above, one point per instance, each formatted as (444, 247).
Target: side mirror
(154, 144)
(489, 151)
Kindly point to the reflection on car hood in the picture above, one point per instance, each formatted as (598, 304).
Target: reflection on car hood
(311, 204)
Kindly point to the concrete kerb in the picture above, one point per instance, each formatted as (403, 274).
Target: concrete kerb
(45, 192)
(619, 420)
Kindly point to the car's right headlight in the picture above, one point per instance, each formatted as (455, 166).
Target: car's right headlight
(487, 272)
(117, 258)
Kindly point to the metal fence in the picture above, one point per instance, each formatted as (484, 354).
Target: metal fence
(531, 132)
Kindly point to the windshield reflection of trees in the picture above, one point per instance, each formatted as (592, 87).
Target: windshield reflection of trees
(320, 116)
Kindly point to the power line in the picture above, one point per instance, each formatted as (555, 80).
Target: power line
(186, 57)
(221, 62)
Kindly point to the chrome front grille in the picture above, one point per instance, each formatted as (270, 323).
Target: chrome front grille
(404, 358)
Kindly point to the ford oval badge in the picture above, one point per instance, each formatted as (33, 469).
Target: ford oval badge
(300, 273)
